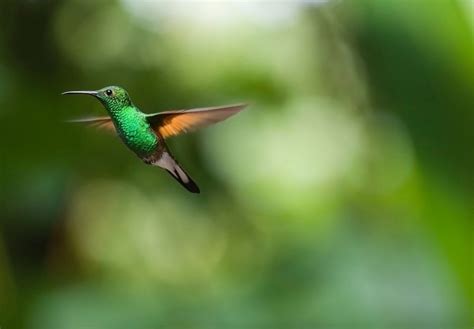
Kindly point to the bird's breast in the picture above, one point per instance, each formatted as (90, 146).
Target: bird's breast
(138, 136)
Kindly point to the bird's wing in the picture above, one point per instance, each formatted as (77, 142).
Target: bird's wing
(98, 122)
(172, 123)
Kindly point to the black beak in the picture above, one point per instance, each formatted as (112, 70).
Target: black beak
(84, 92)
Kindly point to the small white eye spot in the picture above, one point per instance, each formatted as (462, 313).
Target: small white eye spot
(109, 92)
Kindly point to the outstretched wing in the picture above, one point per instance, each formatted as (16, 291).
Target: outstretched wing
(172, 123)
(99, 122)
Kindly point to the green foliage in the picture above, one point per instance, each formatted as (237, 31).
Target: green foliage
(341, 198)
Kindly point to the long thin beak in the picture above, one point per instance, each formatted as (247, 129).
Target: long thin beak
(85, 92)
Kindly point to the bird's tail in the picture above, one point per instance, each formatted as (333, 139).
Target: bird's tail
(168, 163)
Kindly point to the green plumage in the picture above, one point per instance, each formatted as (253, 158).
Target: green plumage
(145, 134)
(135, 131)
(131, 124)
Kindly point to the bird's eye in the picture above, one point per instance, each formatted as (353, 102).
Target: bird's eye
(109, 92)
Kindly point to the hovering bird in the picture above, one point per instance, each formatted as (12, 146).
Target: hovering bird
(145, 134)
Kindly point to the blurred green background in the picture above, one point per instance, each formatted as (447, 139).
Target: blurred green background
(342, 198)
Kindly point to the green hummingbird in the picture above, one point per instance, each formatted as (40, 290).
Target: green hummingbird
(145, 134)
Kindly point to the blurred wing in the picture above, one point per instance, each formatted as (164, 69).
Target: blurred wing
(100, 122)
(173, 123)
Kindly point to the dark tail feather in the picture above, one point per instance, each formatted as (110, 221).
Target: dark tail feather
(167, 162)
(185, 180)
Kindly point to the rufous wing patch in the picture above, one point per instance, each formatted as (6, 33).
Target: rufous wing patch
(173, 123)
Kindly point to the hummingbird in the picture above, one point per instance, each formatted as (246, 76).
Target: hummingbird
(145, 134)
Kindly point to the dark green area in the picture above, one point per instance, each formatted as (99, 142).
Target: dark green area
(342, 198)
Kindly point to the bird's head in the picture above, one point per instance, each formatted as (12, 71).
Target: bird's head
(113, 98)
